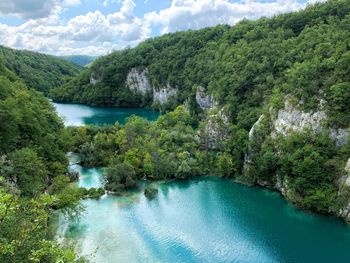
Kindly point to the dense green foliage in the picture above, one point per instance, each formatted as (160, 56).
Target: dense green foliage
(305, 54)
(308, 165)
(38, 71)
(33, 178)
(165, 149)
(80, 60)
(250, 69)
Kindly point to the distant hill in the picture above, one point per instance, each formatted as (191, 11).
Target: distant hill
(80, 60)
(39, 71)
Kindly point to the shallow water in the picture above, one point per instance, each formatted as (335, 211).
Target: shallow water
(203, 220)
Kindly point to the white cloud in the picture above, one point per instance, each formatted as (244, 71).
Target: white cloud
(34, 8)
(95, 33)
(194, 14)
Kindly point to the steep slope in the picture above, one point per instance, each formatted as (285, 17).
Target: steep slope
(303, 53)
(38, 71)
(270, 98)
(33, 179)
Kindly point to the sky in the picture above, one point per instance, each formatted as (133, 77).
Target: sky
(97, 27)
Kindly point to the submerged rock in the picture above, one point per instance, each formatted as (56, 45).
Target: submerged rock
(151, 192)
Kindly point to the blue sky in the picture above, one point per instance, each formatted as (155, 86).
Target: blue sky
(96, 27)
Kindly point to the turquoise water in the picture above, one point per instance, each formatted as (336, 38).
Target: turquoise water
(78, 114)
(207, 219)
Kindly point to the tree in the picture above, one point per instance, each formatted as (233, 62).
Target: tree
(28, 171)
(120, 177)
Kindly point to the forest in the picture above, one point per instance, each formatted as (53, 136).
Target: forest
(38, 71)
(34, 181)
(304, 53)
(248, 68)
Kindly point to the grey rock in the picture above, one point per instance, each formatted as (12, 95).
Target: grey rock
(216, 128)
(95, 78)
(162, 95)
(204, 100)
(138, 81)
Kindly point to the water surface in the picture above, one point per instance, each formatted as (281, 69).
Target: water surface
(79, 114)
(203, 220)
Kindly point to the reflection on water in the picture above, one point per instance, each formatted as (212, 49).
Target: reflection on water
(203, 220)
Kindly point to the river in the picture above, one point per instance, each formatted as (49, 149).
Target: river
(207, 219)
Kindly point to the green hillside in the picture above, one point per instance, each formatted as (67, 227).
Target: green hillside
(38, 71)
(269, 102)
(303, 53)
(33, 174)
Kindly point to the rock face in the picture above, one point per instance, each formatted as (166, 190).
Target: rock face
(95, 78)
(204, 100)
(163, 95)
(138, 81)
(252, 136)
(339, 135)
(216, 128)
(292, 119)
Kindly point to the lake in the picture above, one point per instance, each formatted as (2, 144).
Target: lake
(207, 219)
(79, 114)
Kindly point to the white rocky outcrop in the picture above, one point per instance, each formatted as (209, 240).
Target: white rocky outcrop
(339, 135)
(252, 136)
(216, 128)
(291, 119)
(95, 78)
(163, 95)
(138, 81)
(204, 100)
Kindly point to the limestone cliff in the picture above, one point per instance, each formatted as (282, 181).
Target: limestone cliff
(290, 119)
(138, 81)
(164, 94)
(216, 128)
(95, 78)
(204, 100)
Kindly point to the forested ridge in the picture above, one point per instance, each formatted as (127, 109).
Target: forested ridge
(33, 174)
(251, 70)
(38, 71)
(245, 66)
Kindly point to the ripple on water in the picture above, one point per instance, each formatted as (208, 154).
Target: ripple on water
(204, 220)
